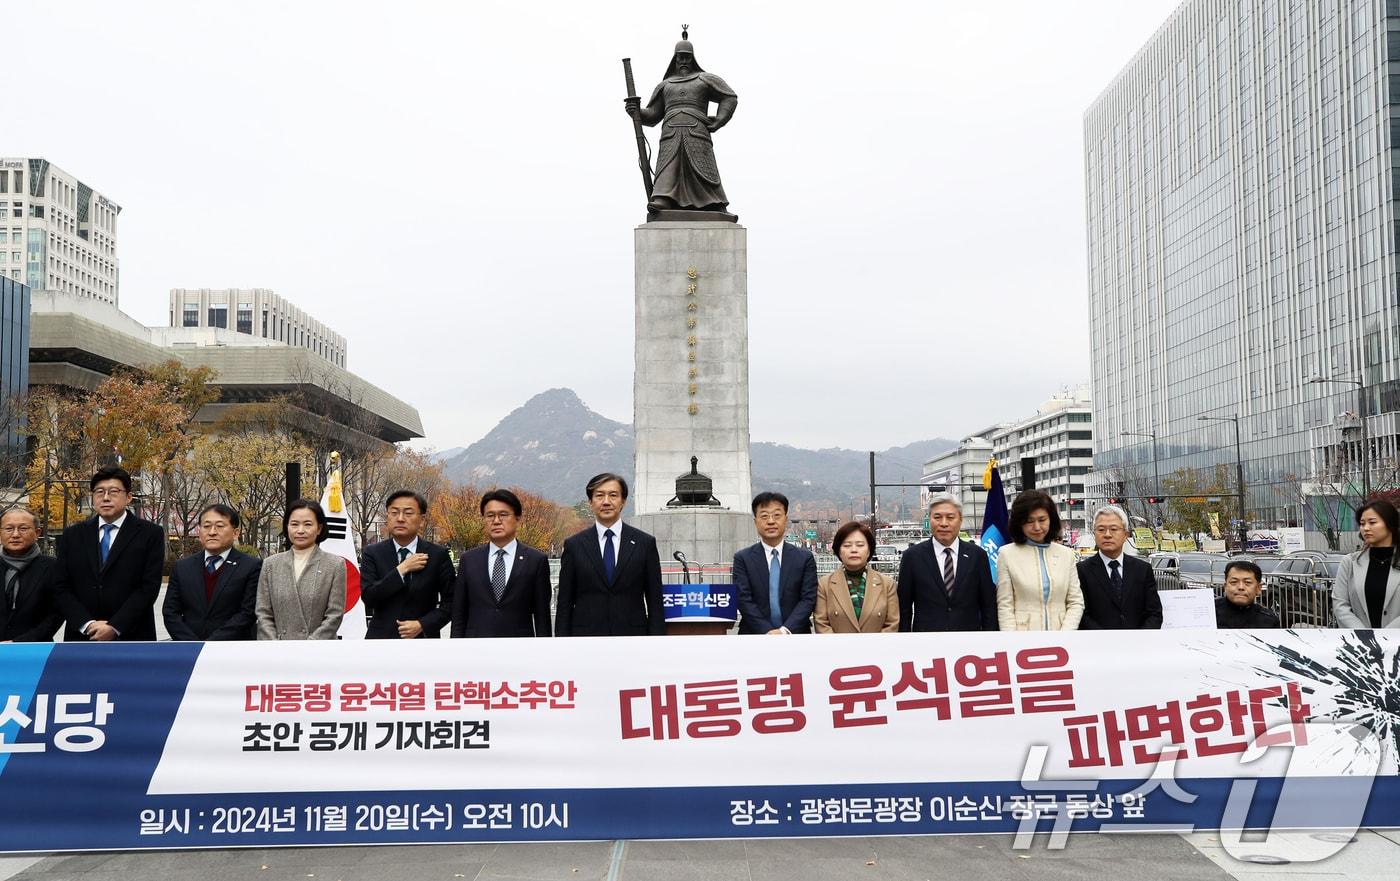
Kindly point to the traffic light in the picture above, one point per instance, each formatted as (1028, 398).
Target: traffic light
(1113, 500)
(1154, 500)
(1070, 503)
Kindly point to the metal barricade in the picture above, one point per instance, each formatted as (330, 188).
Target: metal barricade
(1300, 601)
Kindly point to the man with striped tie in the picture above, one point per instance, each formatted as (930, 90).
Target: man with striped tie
(945, 583)
(776, 581)
(407, 580)
(502, 586)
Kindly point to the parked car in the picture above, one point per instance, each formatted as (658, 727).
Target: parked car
(1191, 568)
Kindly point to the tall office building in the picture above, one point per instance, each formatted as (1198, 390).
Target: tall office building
(56, 232)
(1242, 242)
(14, 374)
(257, 312)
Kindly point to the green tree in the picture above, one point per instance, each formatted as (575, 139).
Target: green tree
(1193, 494)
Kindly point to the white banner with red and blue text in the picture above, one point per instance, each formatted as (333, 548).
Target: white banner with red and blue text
(158, 745)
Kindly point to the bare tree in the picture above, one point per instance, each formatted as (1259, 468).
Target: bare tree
(370, 477)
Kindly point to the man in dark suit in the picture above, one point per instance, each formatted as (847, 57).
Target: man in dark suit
(502, 586)
(945, 583)
(27, 612)
(1120, 591)
(407, 579)
(212, 594)
(108, 573)
(610, 573)
(776, 581)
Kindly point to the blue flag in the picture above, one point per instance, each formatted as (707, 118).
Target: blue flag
(994, 518)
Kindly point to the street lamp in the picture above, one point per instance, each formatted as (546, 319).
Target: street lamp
(1156, 473)
(1365, 437)
(1239, 472)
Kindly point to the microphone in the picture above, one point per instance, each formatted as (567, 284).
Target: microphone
(685, 568)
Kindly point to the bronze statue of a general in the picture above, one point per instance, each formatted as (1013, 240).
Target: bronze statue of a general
(687, 184)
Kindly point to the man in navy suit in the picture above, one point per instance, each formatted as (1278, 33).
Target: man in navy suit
(108, 573)
(27, 612)
(1120, 591)
(407, 579)
(212, 594)
(776, 581)
(502, 586)
(946, 583)
(610, 573)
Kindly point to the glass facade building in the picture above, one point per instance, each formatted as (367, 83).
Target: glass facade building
(1242, 241)
(14, 372)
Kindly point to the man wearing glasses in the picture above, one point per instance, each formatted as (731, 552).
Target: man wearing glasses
(108, 572)
(502, 586)
(27, 613)
(1120, 592)
(407, 580)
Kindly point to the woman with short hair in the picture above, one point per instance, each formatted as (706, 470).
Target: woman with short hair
(855, 598)
(1037, 577)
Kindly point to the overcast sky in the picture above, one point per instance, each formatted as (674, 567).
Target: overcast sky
(453, 187)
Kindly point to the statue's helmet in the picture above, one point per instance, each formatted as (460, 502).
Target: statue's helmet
(684, 46)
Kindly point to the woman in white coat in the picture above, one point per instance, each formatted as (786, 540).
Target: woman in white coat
(1037, 577)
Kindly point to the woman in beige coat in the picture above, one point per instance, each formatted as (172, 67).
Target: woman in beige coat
(855, 598)
(301, 592)
(1037, 577)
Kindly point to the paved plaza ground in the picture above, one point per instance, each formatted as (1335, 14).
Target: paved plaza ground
(1372, 856)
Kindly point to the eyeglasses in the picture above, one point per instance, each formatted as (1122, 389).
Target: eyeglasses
(16, 528)
(108, 492)
(498, 515)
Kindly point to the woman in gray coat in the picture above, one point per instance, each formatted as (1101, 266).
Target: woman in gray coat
(301, 592)
(1366, 594)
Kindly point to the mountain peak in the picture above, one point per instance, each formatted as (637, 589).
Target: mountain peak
(553, 443)
(549, 445)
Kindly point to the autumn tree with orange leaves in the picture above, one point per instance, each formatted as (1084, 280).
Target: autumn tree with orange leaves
(141, 418)
(456, 520)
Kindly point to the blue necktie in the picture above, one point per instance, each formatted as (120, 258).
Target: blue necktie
(609, 556)
(775, 571)
(107, 540)
(403, 555)
(211, 565)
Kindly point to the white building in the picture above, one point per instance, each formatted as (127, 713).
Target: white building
(76, 342)
(56, 232)
(257, 312)
(1059, 442)
(959, 471)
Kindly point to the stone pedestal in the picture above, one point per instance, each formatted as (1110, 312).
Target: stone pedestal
(707, 536)
(691, 385)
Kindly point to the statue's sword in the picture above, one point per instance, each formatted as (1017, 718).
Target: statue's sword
(642, 161)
